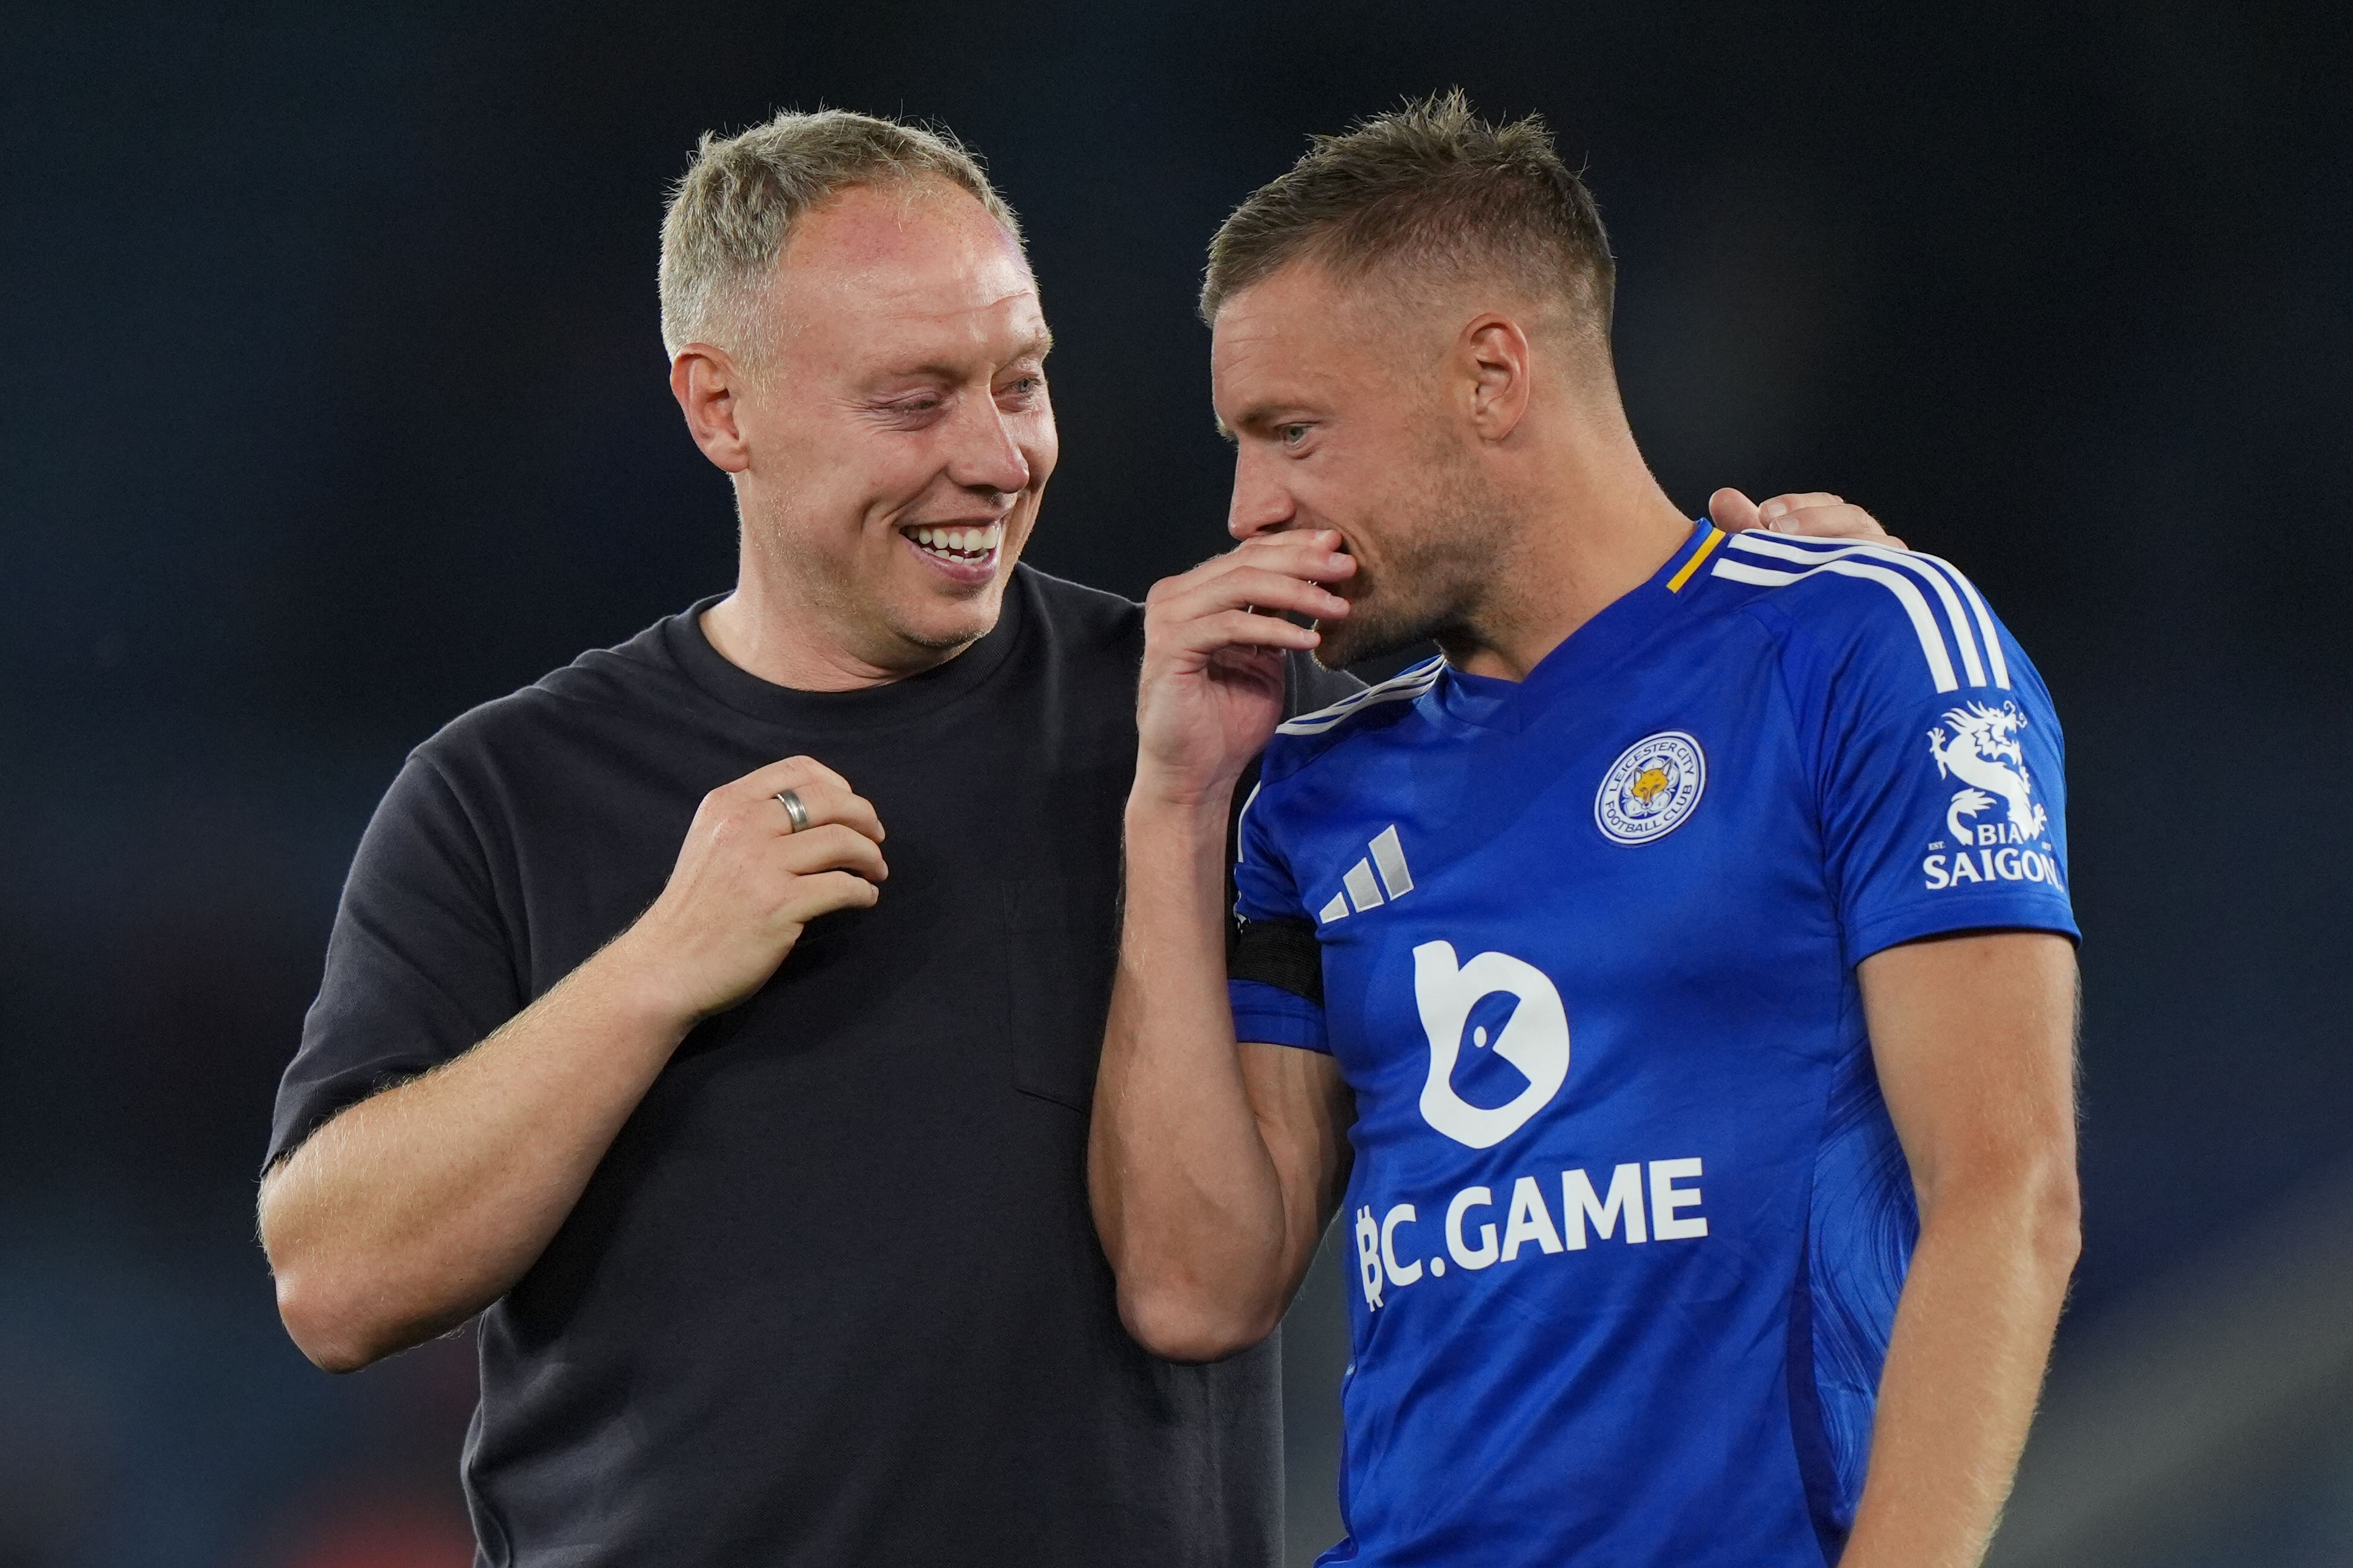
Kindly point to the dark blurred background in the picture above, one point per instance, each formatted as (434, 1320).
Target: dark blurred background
(332, 404)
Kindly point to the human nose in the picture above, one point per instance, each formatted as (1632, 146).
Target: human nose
(1260, 504)
(985, 455)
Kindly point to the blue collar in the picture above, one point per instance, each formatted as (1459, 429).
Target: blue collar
(1495, 704)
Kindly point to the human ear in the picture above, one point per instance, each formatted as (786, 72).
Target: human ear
(705, 381)
(1492, 352)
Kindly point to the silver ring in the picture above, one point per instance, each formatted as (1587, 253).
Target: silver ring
(791, 801)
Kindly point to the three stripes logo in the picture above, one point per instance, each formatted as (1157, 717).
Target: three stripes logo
(1384, 858)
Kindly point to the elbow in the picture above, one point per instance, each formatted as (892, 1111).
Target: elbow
(1188, 1324)
(347, 1306)
(324, 1309)
(325, 1323)
(2056, 1221)
(331, 1320)
(2029, 1207)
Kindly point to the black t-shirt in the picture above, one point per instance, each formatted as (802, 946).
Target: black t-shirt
(834, 1294)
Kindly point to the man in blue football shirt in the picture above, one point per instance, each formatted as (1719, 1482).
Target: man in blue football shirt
(1673, 985)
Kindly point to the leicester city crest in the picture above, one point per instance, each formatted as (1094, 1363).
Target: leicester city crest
(1651, 788)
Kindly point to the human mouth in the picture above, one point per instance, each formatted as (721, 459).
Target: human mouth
(966, 544)
(965, 553)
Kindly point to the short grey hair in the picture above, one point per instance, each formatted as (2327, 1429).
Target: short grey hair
(733, 212)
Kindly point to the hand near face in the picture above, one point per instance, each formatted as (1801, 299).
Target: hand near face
(1214, 638)
(1816, 514)
(748, 881)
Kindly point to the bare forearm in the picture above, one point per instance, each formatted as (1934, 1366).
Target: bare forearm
(412, 1210)
(1187, 1197)
(1207, 1175)
(1972, 1341)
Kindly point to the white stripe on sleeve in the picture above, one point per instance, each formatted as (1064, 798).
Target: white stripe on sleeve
(1923, 620)
(1955, 614)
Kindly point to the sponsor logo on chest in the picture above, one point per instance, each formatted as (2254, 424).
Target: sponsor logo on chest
(1534, 1040)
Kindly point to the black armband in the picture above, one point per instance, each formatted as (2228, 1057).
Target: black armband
(1281, 953)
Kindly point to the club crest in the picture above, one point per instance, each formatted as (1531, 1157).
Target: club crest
(1651, 789)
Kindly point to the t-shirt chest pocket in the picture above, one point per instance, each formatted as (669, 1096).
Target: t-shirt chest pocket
(1060, 948)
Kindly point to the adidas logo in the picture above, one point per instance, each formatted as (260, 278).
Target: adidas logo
(1360, 890)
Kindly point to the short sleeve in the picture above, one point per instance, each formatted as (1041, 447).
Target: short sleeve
(419, 966)
(1276, 950)
(1942, 796)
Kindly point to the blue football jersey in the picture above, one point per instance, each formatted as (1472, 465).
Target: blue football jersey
(1627, 1213)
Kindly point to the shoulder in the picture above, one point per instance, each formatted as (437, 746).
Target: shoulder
(602, 689)
(1903, 618)
(1300, 742)
(1075, 614)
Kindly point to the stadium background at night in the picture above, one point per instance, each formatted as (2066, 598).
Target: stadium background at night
(332, 404)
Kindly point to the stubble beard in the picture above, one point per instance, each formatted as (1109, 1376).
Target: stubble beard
(1437, 571)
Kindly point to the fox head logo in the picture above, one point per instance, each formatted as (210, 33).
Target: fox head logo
(1534, 1040)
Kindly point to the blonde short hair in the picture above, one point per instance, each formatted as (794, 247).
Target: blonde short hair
(1428, 190)
(733, 212)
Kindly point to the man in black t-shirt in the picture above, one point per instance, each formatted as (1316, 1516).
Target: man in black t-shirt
(780, 1265)
(745, 1099)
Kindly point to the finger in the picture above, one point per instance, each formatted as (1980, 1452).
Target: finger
(1775, 509)
(828, 803)
(825, 892)
(832, 847)
(790, 772)
(1839, 521)
(1305, 557)
(1238, 628)
(1314, 554)
(1320, 545)
(1250, 587)
(1732, 512)
(823, 800)
(1200, 587)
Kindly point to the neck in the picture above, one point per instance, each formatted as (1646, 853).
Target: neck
(1599, 528)
(775, 626)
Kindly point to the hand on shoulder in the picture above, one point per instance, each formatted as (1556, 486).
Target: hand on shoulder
(1815, 514)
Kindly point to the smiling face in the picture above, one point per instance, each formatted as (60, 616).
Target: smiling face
(1340, 415)
(898, 434)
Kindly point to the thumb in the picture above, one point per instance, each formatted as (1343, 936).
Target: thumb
(1732, 512)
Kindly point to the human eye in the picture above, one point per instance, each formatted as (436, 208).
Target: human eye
(1293, 437)
(911, 410)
